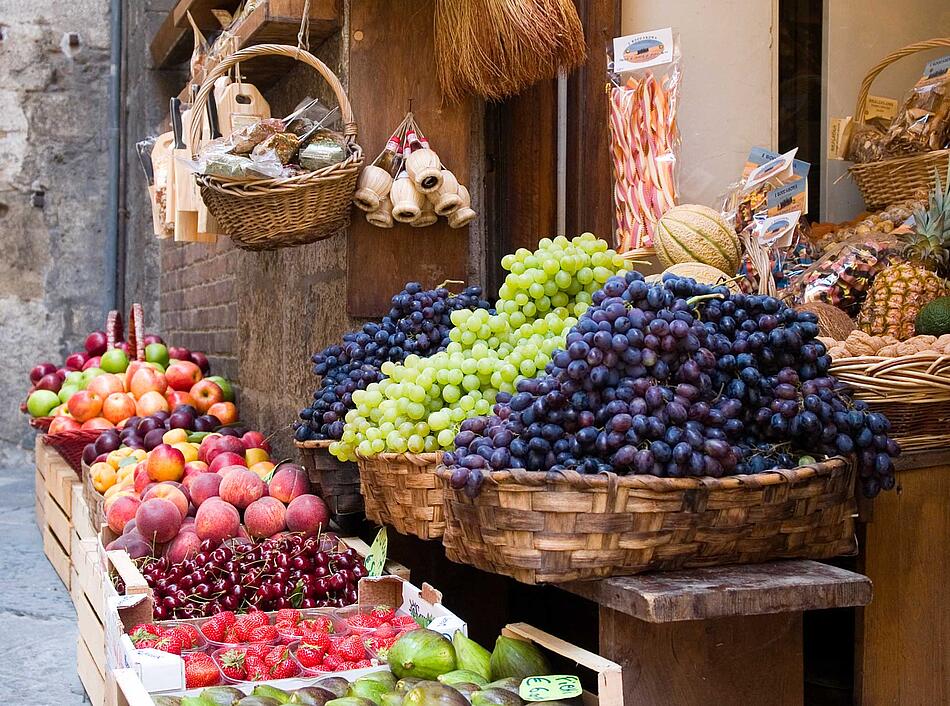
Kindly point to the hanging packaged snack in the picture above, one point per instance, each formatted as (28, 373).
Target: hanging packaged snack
(644, 77)
(923, 122)
(777, 251)
(765, 172)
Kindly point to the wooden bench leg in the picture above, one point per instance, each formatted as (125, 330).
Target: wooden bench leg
(737, 661)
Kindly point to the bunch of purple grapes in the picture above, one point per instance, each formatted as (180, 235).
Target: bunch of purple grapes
(418, 323)
(678, 379)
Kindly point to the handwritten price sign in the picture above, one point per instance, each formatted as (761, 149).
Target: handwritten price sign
(550, 688)
(376, 558)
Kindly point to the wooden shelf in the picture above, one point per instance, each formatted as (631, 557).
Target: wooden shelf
(274, 21)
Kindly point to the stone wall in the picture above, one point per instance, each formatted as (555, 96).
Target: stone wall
(54, 279)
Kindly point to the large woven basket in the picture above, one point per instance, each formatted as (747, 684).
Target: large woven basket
(402, 491)
(891, 180)
(541, 527)
(338, 481)
(912, 390)
(267, 214)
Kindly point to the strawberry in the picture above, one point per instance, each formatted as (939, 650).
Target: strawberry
(289, 615)
(187, 635)
(350, 649)
(310, 655)
(169, 643)
(227, 617)
(146, 627)
(200, 670)
(285, 669)
(380, 645)
(386, 631)
(383, 613)
(258, 649)
(245, 623)
(364, 620)
(332, 663)
(362, 664)
(320, 639)
(287, 628)
(262, 633)
(213, 629)
(143, 638)
(233, 664)
(275, 655)
(404, 621)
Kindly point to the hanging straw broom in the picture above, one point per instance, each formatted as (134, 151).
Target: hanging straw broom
(497, 48)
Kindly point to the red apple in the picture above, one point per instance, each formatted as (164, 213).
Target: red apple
(92, 362)
(179, 353)
(98, 423)
(165, 462)
(225, 412)
(307, 514)
(201, 360)
(75, 361)
(264, 517)
(96, 343)
(241, 487)
(122, 346)
(158, 520)
(183, 375)
(147, 380)
(204, 486)
(105, 384)
(61, 373)
(206, 393)
(150, 403)
(217, 520)
(255, 440)
(208, 444)
(151, 338)
(51, 382)
(84, 405)
(118, 406)
(176, 398)
(40, 370)
(288, 482)
(225, 459)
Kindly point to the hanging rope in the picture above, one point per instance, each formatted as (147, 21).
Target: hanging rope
(303, 36)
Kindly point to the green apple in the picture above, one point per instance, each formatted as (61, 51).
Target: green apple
(89, 373)
(41, 402)
(114, 361)
(74, 377)
(158, 366)
(67, 391)
(225, 387)
(157, 353)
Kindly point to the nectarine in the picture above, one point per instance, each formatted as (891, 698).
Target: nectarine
(217, 520)
(165, 462)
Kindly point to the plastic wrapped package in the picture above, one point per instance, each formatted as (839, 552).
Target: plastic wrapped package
(776, 245)
(922, 123)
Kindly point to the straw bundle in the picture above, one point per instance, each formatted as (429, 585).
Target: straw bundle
(497, 48)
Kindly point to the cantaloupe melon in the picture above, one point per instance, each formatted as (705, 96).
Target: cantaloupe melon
(693, 233)
(705, 274)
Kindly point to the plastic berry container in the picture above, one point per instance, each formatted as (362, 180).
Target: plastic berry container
(347, 613)
(201, 643)
(216, 654)
(338, 626)
(319, 671)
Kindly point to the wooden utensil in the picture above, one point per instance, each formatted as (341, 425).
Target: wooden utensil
(155, 164)
(207, 224)
(241, 104)
(186, 201)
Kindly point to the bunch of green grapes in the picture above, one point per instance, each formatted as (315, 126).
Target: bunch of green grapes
(421, 402)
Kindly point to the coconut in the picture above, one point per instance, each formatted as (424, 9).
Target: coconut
(832, 322)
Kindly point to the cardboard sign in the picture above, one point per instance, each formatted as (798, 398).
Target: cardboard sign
(550, 688)
(375, 561)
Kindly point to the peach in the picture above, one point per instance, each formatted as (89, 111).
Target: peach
(165, 462)
(177, 398)
(223, 460)
(288, 482)
(204, 486)
(264, 517)
(217, 520)
(206, 393)
(150, 403)
(63, 423)
(307, 514)
(226, 412)
(122, 509)
(188, 450)
(262, 469)
(169, 492)
(182, 547)
(147, 380)
(98, 423)
(103, 476)
(140, 479)
(117, 406)
(85, 405)
(193, 469)
(252, 456)
(182, 375)
(158, 520)
(223, 444)
(241, 487)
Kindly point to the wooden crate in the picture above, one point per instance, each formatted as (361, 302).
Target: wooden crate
(81, 519)
(40, 483)
(57, 555)
(93, 681)
(55, 483)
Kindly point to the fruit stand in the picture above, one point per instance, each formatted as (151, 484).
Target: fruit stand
(661, 463)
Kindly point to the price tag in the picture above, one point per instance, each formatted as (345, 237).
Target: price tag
(376, 558)
(550, 688)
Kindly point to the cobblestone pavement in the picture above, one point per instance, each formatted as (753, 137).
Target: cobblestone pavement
(37, 620)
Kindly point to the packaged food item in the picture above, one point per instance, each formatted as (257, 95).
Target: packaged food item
(880, 223)
(323, 149)
(283, 144)
(921, 124)
(764, 173)
(645, 76)
(249, 137)
(776, 251)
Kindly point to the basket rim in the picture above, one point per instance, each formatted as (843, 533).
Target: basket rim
(573, 479)
(313, 443)
(898, 162)
(426, 458)
(258, 187)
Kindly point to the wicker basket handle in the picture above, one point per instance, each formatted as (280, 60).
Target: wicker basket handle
(114, 331)
(887, 61)
(137, 332)
(200, 105)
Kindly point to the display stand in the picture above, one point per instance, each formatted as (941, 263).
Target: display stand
(723, 635)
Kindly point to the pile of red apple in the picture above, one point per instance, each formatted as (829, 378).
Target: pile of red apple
(174, 504)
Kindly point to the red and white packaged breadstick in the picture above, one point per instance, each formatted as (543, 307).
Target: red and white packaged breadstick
(644, 78)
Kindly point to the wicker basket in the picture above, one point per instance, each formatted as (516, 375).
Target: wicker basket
(70, 445)
(888, 181)
(402, 491)
(338, 481)
(266, 214)
(94, 499)
(540, 527)
(912, 390)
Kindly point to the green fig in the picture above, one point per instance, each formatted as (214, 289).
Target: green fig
(193, 701)
(271, 691)
(258, 701)
(434, 694)
(495, 697)
(350, 701)
(221, 696)
(517, 658)
(166, 700)
(421, 653)
(368, 689)
(459, 676)
(391, 699)
(509, 683)
(383, 676)
(471, 656)
(335, 685)
(407, 683)
(311, 696)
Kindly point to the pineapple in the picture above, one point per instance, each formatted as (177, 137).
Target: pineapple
(902, 288)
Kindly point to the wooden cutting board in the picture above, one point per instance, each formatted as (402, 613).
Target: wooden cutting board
(163, 218)
(186, 198)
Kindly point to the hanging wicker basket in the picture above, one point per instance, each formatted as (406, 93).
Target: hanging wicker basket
(402, 491)
(267, 214)
(891, 180)
(550, 527)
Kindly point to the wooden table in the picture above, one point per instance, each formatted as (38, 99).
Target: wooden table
(723, 635)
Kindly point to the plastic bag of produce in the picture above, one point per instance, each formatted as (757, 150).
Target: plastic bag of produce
(922, 123)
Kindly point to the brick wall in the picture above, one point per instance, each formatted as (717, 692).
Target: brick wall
(198, 305)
